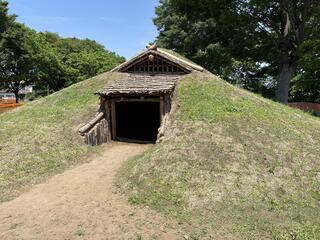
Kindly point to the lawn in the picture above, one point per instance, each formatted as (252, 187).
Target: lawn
(41, 138)
(232, 165)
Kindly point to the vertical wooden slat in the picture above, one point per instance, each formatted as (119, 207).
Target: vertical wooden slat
(157, 65)
(106, 138)
(113, 120)
(161, 109)
(108, 119)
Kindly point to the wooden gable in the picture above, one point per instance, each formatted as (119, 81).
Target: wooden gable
(155, 64)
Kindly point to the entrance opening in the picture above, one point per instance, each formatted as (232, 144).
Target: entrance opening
(138, 121)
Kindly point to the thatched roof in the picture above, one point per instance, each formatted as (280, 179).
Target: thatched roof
(138, 84)
(153, 72)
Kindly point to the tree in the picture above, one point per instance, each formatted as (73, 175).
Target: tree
(51, 71)
(86, 58)
(5, 18)
(46, 60)
(247, 41)
(294, 18)
(80, 59)
(24, 55)
(21, 56)
(306, 84)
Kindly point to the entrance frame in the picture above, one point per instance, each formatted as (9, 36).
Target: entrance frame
(111, 109)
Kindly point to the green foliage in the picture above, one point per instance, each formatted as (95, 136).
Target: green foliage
(234, 163)
(81, 59)
(21, 56)
(45, 60)
(219, 36)
(306, 85)
(5, 18)
(243, 41)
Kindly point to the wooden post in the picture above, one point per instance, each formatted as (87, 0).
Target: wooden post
(161, 109)
(108, 119)
(113, 120)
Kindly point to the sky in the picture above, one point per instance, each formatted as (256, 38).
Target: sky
(122, 26)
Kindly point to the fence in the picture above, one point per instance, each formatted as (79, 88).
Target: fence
(307, 107)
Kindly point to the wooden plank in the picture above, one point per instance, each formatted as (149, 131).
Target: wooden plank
(161, 110)
(137, 100)
(108, 119)
(113, 120)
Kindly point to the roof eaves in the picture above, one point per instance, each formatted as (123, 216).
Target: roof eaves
(194, 66)
(129, 61)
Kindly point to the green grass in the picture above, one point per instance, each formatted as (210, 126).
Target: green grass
(41, 138)
(232, 164)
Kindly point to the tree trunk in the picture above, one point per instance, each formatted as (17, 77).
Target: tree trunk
(286, 72)
(16, 94)
(293, 21)
(287, 57)
(15, 88)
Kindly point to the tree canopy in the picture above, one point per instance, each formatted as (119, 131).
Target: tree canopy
(19, 57)
(252, 43)
(46, 60)
(80, 59)
(5, 18)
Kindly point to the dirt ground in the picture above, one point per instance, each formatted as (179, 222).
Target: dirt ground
(82, 203)
(2, 109)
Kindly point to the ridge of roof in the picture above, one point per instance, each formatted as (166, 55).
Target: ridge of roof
(165, 53)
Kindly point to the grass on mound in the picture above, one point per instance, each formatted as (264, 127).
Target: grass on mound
(41, 138)
(232, 164)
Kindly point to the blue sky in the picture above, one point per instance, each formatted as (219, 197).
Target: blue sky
(122, 26)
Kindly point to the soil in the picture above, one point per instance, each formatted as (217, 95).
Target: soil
(3, 109)
(82, 203)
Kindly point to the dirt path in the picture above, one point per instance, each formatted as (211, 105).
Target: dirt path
(81, 203)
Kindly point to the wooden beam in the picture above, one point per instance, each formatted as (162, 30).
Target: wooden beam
(92, 123)
(108, 119)
(137, 100)
(113, 120)
(161, 110)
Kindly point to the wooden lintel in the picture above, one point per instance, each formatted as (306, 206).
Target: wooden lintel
(137, 100)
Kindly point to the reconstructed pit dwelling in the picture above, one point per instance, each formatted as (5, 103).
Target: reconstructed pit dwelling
(132, 109)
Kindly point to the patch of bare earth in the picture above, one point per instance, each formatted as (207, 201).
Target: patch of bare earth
(82, 203)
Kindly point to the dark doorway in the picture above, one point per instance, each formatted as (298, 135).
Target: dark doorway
(137, 121)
